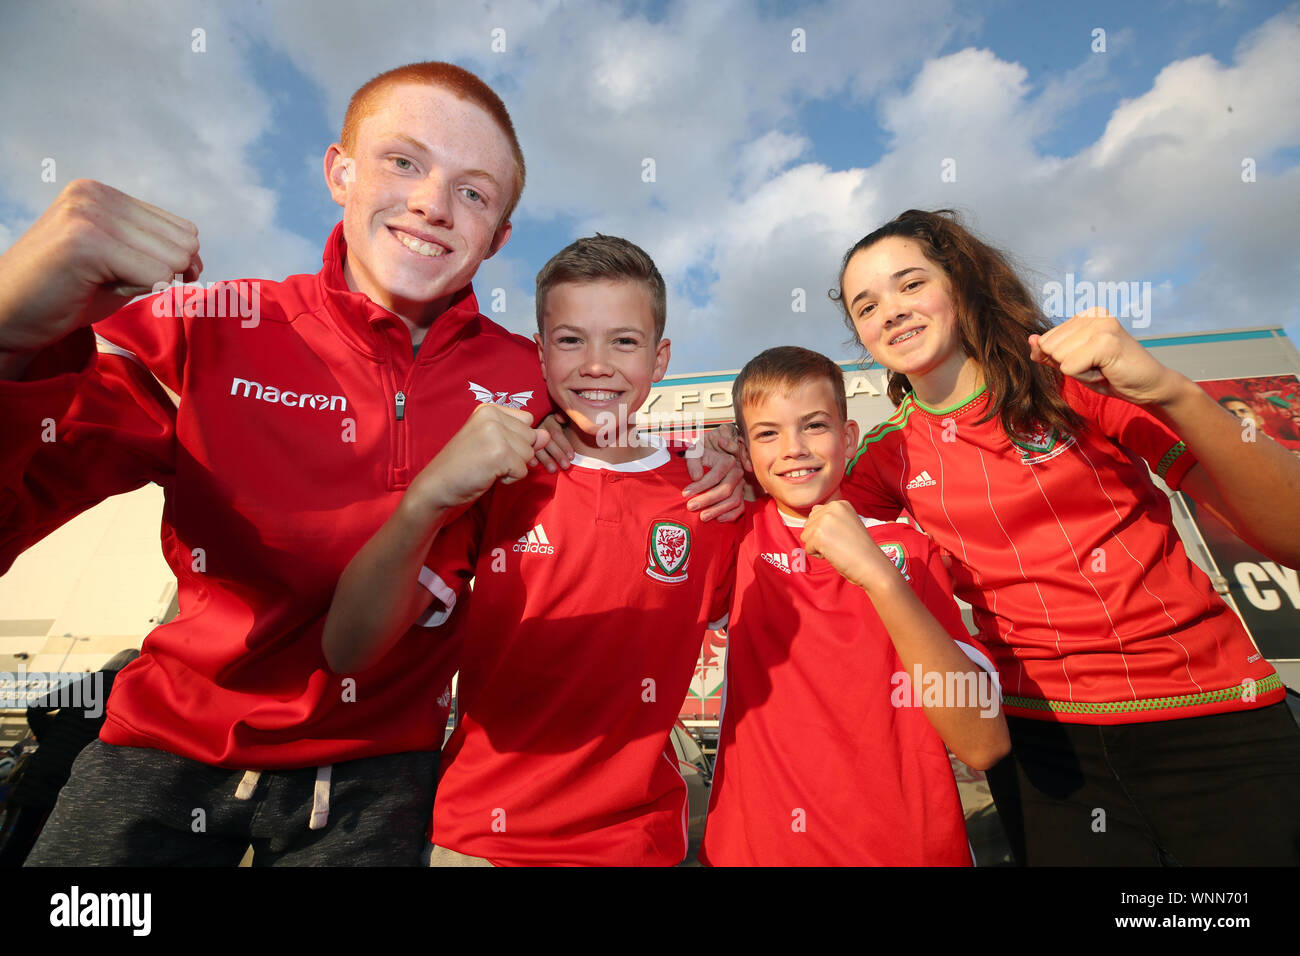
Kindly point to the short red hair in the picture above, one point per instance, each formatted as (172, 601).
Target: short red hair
(460, 83)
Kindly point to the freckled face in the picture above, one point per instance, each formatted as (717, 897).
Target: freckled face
(423, 192)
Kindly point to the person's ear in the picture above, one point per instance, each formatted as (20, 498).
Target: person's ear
(745, 460)
(339, 173)
(541, 355)
(850, 440)
(662, 352)
(499, 239)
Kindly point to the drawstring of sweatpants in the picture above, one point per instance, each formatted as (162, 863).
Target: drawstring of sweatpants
(320, 797)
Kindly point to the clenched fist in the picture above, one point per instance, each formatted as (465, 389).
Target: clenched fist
(1095, 349)
(92, 250)
(835, 533)
(495, 443)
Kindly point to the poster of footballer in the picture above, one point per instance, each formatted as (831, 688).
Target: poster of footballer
(1267, 594)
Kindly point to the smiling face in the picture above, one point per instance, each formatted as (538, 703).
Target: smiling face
(1242, 411)
(423, 192)
(797, 445)
(599, 357)
(902, 309)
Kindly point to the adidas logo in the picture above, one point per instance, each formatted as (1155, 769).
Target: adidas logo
(777, 560)
(535, 542)
(923, 480)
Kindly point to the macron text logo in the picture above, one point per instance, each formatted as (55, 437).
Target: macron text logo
(242, 388)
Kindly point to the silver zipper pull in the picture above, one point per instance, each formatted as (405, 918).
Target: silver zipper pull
(399, 403)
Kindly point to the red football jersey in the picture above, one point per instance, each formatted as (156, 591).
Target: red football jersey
(1068, 555)
(825, 756)
(591, 590)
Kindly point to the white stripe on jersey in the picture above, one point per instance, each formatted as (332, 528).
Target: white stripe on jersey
(1105, 610)
(1142, 576)
(978, 658)
(686, 794)
(104, 347)
(988, 492)
(436, 586)
(965, 560)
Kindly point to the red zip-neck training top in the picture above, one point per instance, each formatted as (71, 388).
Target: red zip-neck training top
(283, 421)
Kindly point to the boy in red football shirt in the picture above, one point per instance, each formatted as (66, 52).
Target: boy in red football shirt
(591, 589)
(838, 704)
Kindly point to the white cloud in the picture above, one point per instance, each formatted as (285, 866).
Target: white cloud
(132, 104)
(1159, 192)
(742, 203)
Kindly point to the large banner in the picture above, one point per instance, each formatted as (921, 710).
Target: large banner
(1266, 594)
(1266, 403)
(704, 699)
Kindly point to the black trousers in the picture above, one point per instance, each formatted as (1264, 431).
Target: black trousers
(132, 806)
(1222, 790)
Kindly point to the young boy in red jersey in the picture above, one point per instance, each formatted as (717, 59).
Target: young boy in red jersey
(591, 590)
(838, 704)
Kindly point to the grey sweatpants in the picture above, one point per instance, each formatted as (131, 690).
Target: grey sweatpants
(132, 806)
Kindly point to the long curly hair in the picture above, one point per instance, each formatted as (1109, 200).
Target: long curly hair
(996, 315)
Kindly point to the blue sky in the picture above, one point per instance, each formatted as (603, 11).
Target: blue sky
(1115, 165)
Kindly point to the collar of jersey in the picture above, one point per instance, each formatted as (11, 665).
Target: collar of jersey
(954, 409)
(656, 459)
(362, 321)
(792, 522)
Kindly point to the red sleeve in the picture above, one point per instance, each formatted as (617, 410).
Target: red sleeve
(1133, 428)
(449, 565)
(863, 488)
(84, 425)
(720, 608)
